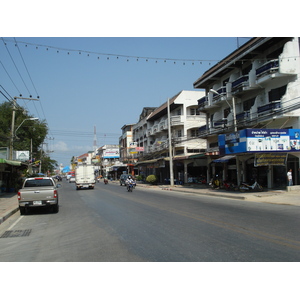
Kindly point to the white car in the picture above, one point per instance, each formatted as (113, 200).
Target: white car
(72, 180)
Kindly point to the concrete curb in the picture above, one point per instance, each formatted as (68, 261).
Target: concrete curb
(8, 214)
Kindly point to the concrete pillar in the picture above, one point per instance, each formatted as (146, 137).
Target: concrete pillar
(185, 169)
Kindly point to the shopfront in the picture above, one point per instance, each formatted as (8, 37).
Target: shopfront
(263, 155)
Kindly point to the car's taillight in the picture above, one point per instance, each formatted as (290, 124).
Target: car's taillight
(55, 194)
(19, 196)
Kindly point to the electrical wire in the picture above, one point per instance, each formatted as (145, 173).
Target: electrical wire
(16, 67)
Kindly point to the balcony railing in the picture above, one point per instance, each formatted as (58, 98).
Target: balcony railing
(270, 107)
(240, 83)
(221, 93)
(176, 120)
(242, 116)
(269, 67)
(202, 128)
(203, 101)
(219, 123)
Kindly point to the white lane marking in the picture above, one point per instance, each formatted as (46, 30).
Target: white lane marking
(15, 223)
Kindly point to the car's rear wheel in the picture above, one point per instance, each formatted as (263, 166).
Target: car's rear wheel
(55, 208)
(22, 210)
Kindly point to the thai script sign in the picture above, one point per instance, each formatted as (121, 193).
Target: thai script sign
(265, 159)
(260, 140)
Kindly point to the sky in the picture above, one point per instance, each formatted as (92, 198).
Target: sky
(87, 84)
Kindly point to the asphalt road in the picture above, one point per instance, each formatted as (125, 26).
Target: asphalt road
(108, 224)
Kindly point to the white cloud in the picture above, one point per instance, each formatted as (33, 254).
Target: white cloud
(60, 146)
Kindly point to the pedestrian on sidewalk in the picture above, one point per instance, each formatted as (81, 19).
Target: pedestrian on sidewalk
(290, 177)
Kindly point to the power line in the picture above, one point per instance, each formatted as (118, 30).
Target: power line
(26, 68)
(16, 67)
(11, 79)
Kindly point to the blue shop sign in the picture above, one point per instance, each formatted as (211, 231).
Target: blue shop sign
(260, 140)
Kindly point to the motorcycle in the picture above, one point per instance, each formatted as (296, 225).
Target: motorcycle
(215, 183)
(130, 187)
(229, 186)
(247, 187)
(105, 181)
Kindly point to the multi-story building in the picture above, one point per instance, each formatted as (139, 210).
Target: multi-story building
(151, 137)
(125, 142)
(256, 87)
(140, 136)
(109, 156)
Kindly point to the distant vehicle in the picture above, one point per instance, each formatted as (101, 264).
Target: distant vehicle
(71, 179)
(38, 192)
(123, 178)
(85, 176)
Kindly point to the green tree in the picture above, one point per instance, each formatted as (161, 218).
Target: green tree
(31, 133)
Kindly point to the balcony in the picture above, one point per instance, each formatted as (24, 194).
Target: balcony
(150, 131)
(176, 120)
(268, 68)
(163, 125)
(269, 108)
(222, 94)
(220, 123)
(203, 103)
(240, 84)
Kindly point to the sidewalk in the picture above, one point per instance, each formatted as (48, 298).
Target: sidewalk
(281, 197)
(8, 205)
(9, 201)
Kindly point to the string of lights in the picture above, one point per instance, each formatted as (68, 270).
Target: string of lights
(108, 56)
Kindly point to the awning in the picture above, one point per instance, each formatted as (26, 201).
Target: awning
(224, 159)
(10, 162)
(151, 161)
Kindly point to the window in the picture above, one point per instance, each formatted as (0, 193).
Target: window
(248, 104)
(276, 94)
(194, 112)
(178, 112)
(194, 133)
(226, 112)
(179, 133)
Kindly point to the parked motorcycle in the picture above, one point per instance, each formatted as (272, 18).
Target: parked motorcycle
(229, 186)
(215, 183)
(247, 187)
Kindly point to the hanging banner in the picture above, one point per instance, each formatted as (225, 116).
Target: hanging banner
(273, 159)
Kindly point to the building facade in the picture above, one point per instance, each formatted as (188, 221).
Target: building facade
(151, 139)
(256, 87)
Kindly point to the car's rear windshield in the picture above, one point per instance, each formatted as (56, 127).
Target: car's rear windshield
(38, 182)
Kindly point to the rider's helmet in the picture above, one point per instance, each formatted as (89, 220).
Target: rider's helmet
(129, 177)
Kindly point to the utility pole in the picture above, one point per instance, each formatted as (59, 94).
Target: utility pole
(12, 131)
(170, 146)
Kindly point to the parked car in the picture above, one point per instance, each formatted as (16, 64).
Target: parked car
(38, 192)
(72, 180)
(123, 178)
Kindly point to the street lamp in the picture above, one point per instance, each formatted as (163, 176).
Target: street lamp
(31, 119)
(13, 135)
(231, 107)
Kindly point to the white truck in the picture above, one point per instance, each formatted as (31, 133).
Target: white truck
(85, 176)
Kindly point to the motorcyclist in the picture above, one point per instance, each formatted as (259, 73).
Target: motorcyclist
(130, 180)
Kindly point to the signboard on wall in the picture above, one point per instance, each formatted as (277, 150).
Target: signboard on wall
(270, 159)
(111, 153)
(22, 155)
(260, 140)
